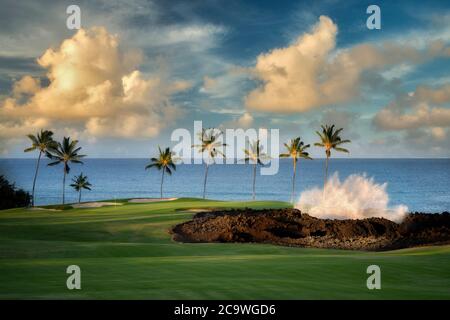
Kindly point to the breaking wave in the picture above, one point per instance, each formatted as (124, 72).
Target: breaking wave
(357, 197)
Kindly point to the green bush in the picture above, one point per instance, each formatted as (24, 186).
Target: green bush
(11, 197)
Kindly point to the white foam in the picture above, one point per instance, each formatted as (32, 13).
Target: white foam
(357, 197)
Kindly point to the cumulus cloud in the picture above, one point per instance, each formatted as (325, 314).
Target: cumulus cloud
(311, 73)
(429, 141)
(424, 108)
(244, 121)
(438, 133)
(26, 85)
(94, 89)
(422, 117)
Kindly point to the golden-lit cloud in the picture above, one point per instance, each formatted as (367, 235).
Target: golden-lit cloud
(95, 90)
(245, 121)
(423, 116)
(423, 108)
(438, 133)
(26, 85)
(208, 84)
(311, 73)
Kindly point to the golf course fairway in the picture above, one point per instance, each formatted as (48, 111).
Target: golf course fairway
(126, 252)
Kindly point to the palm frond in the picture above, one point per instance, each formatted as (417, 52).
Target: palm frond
(341, 142)
(255, 153)
(173, 166)
(81, 182)
(341, 150)
(42, 140)
(30, 149)
(65, 152)
(331, 139)
(164, 161)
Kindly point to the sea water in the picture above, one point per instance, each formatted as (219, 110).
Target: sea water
(419, 184)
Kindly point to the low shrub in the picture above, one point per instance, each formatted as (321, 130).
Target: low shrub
(12, 197)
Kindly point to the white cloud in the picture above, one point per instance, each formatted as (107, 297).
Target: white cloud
(202, 35)
(225, 85)
(422, 117)
(438, 133)
(245, 121)
(26, 85)
(95, 89)
(232, 111)
(310, 73)
(423, 108)
(397, 71)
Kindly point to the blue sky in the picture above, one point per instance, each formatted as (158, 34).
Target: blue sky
(291, 65)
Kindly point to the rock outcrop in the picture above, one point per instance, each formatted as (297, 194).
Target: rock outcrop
(293, 228)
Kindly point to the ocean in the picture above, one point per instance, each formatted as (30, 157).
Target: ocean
(421, 184)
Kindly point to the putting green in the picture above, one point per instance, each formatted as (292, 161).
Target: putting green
(125, 252)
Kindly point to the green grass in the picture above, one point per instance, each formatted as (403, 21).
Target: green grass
(125, 252)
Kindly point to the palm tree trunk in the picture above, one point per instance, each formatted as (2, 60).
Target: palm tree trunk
(254, 181)
(162, 181)
(64, 187)
(326, 173)
(79, 196)
(35, 177)
(204, 182)
(293, 181)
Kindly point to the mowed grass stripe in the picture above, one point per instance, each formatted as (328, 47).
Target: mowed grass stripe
(126, 252)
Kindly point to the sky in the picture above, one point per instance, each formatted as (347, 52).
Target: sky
(138, 69)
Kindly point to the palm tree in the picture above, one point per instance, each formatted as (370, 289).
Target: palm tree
(209, 143)
(330, 139)
(255, 155)
(42, 141)
(164, 162)
(79, 183)
(65, 153)
(295, 150)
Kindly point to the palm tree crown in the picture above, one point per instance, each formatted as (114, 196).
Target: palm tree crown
(42, 141)
(296, 149)
(164, 162)
(80, 182)
(256, 156)
(255, 153)
(211, 144)
(65, 153)
(330, 139)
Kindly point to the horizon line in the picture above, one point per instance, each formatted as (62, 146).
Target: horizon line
(341, 158)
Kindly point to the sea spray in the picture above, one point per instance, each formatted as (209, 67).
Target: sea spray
(357, 197)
